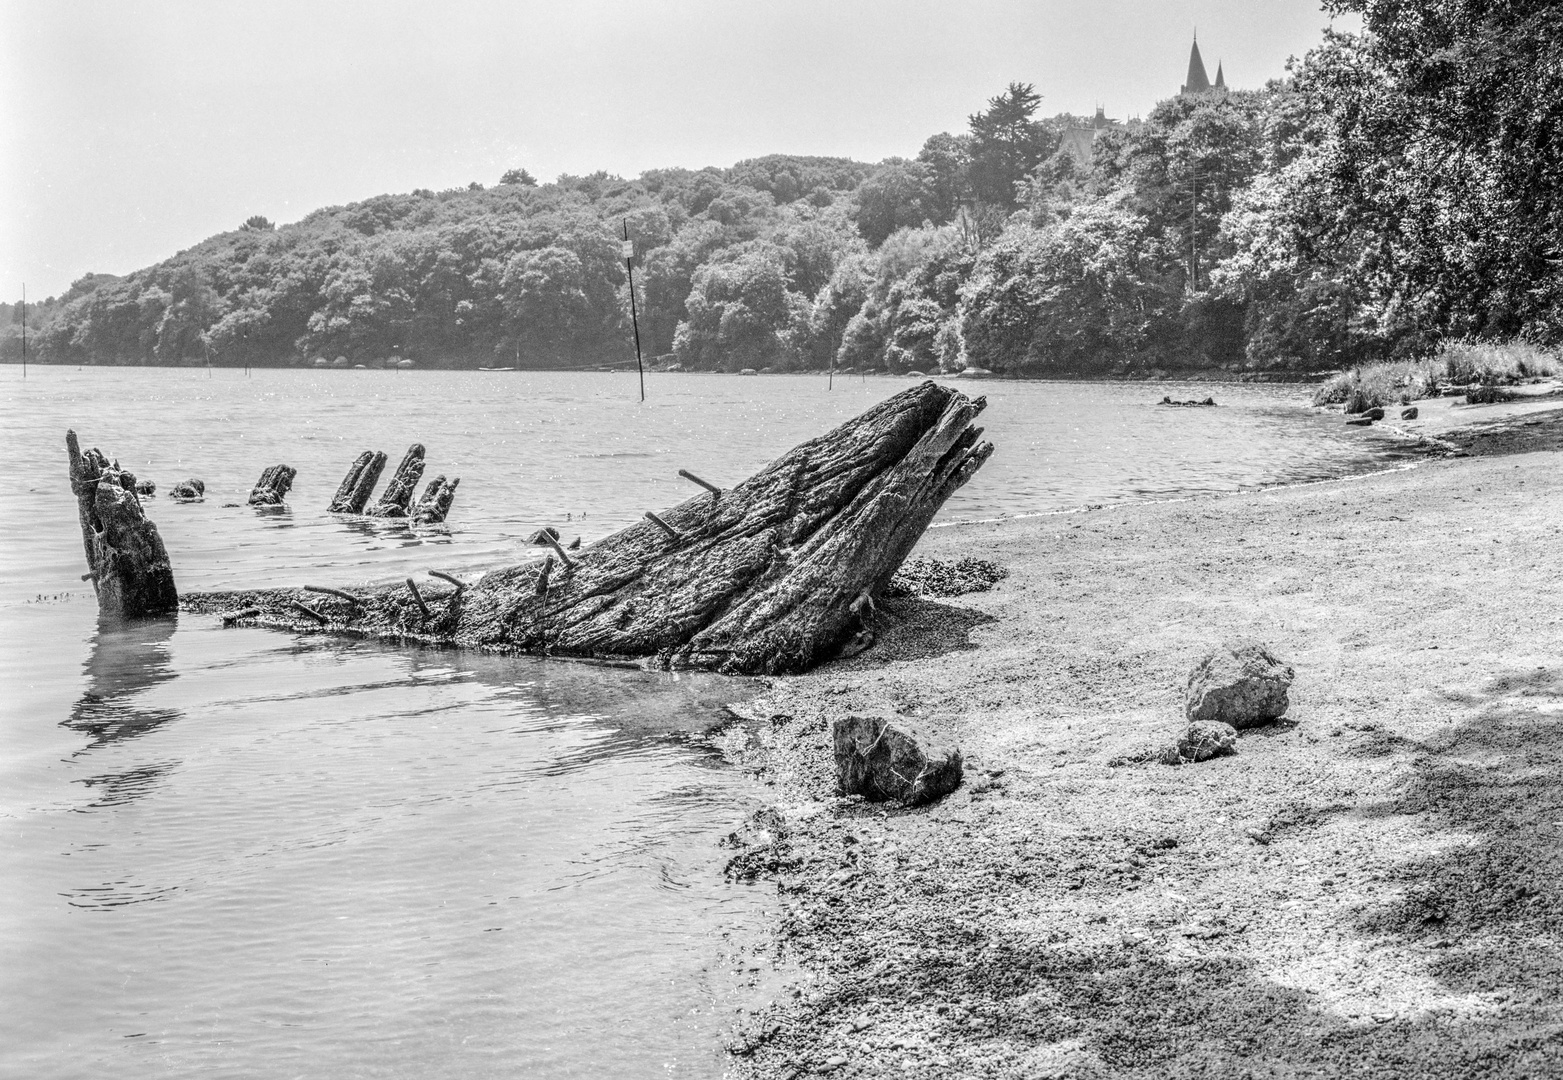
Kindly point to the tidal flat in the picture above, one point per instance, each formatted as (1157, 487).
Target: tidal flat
(1368, 888)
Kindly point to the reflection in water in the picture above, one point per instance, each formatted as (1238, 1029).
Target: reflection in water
(400, 530)
(626, 707)
(117, 789)
(127, 659)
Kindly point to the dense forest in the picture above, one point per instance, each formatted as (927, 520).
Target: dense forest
(1401, 187)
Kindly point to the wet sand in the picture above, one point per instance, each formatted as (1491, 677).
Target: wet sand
(1371, 887)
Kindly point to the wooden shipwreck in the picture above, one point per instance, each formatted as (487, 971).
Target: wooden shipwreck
(773, 575)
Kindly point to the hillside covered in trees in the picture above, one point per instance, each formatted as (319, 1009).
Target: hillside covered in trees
(1399, 188)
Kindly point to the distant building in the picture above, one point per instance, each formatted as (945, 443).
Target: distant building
(1199, 82)
(1080, 141)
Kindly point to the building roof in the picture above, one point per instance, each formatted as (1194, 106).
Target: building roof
(1198, 82)
(1221, 80)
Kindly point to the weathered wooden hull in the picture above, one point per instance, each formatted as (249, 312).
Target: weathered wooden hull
(773, 575)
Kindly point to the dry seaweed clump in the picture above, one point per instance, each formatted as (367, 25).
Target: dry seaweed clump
(937, 577)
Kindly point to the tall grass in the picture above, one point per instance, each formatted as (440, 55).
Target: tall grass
(1458, 364)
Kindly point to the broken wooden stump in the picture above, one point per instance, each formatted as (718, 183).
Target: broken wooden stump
(126, 560)
(397, 497)
(273, 485)
(353, 494)
(435, 501)
(431, 508)
(769, 577)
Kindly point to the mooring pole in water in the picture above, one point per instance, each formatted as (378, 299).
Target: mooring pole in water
(24, 329)
(629, 265)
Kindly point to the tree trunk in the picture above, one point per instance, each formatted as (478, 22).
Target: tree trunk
(126, 559)
(273, 485)
(358, 484)
(774, 575)
(397, 497)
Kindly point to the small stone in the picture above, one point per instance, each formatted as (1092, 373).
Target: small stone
(1203, 740)
(188, 489)
(1360, 421)
(145, 487)
(862, 1022)
(1374, 414)
(1241, 683)
(1408, 414)
(882, 759)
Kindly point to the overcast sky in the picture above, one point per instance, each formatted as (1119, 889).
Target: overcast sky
(131, 130)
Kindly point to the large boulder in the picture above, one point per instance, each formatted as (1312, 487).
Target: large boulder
(1241, 684)
(883, 759)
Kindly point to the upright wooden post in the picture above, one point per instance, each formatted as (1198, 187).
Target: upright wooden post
(126, 559)
(629, 265)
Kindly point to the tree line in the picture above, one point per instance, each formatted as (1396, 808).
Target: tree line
(1398, 188)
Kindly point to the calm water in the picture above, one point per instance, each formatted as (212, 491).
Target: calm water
(241, 853)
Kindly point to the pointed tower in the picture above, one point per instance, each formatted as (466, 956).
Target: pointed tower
(1198, 82)
(1221, 80)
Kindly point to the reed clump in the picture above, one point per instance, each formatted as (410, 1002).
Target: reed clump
(1481, 368)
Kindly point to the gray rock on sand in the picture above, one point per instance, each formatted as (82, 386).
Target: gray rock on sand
(1241, 683)
(1408, 414)
(883, 759)
(1203, 740)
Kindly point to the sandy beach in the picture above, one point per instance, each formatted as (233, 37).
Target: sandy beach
(1369, 887)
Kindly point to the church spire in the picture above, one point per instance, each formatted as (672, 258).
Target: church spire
(1198, 82)
(1221, 80)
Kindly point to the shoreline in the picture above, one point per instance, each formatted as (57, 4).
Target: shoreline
(1368, 888)
(1159, 375)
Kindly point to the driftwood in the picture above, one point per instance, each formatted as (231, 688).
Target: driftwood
(773, 575)
(273, 485)
(396, 499)
(358, 484)
(126, 560)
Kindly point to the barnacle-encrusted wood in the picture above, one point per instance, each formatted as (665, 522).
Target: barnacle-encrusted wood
(126, 560)
(772, 575)
(272, 487)
(358, 484)
(396, 499)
